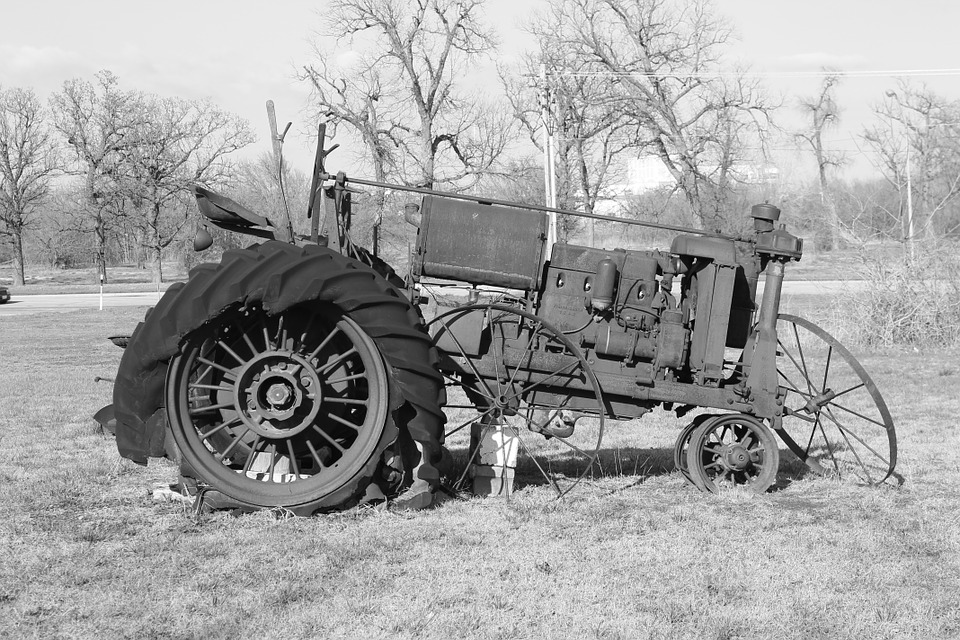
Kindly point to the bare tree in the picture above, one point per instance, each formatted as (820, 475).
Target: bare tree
(823, 114)
(359, 104)
(664, 61)
(401, 95)
(97, 120)
(27, 162)
(917, 141)
(591, 130)
(175, 144)
(255, 185)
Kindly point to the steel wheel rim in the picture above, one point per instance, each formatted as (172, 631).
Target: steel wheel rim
(835, 419)
(681, 445)
(733, 450)
(562, 463)
(302, 431)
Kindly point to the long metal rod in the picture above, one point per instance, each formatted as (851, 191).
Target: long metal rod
(534, 207)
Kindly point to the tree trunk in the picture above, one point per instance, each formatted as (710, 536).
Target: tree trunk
(18, 275)
(379, 204)
(156, 263)
(100, 241)
(156, 247)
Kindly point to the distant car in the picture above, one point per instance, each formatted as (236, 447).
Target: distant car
(4, 295)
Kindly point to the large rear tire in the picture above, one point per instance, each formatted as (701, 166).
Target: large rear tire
(315, 292)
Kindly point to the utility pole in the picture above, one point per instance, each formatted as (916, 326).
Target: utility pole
(549, 158)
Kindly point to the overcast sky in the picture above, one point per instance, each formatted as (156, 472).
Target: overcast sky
(240, 53)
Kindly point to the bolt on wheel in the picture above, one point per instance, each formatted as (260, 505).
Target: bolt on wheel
(733, 450)
(527, 389)
(834, 417)
(278, 409)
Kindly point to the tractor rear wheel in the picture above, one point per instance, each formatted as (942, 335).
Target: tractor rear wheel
(289, 372)
(280, 410)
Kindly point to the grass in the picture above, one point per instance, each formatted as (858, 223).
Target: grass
(84, 552)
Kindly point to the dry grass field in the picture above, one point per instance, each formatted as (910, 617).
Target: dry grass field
(86, 553)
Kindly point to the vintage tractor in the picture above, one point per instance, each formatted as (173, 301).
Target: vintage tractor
(306, 374)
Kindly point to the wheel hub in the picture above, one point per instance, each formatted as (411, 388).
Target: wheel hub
(277, 394)
(736, 457)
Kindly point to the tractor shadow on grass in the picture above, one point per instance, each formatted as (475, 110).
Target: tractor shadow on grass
(621, 466)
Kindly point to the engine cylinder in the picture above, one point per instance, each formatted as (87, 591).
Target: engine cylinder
(604, 284)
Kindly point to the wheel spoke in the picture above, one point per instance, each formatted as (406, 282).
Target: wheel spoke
(348, 401)
(231, 352)
(254, 452)
(324, 435)
(246, 338)
(846, 391)
(210, 408)
(542, 382)
(456, 341)
(212, 387)
(315, 455)
(546, 474)
(313, 354)
(229, 423)
(575, 448)
(336, 362)
(531, 340)
(356, 376)
(495, 341)
(293, 459)
(478, 418)
(848, 432)
(793, 387)
(227, 372)
(473, 455)
(852, 450)
(343, 421)
(268, 345)
(806, 373)
(826, 369)
(272, 452)
(858, 414)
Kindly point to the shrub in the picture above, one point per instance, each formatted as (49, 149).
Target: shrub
(912, 301)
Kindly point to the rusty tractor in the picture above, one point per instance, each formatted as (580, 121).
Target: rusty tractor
(306, 374)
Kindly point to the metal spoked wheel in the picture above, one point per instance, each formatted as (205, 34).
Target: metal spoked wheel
(683, 441)
(519, 372)
(278, 410)
(834, 418)
(731, 450)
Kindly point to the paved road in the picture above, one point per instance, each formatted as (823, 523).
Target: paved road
(25, 305)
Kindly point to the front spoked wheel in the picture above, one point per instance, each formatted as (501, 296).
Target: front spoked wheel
(834, 417)
(525, 385)
(732, 450)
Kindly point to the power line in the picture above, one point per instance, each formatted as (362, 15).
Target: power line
(763, 74)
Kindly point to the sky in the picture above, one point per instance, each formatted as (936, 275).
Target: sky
(241, 53)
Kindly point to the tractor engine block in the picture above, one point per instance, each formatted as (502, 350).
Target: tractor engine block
(619, 305)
